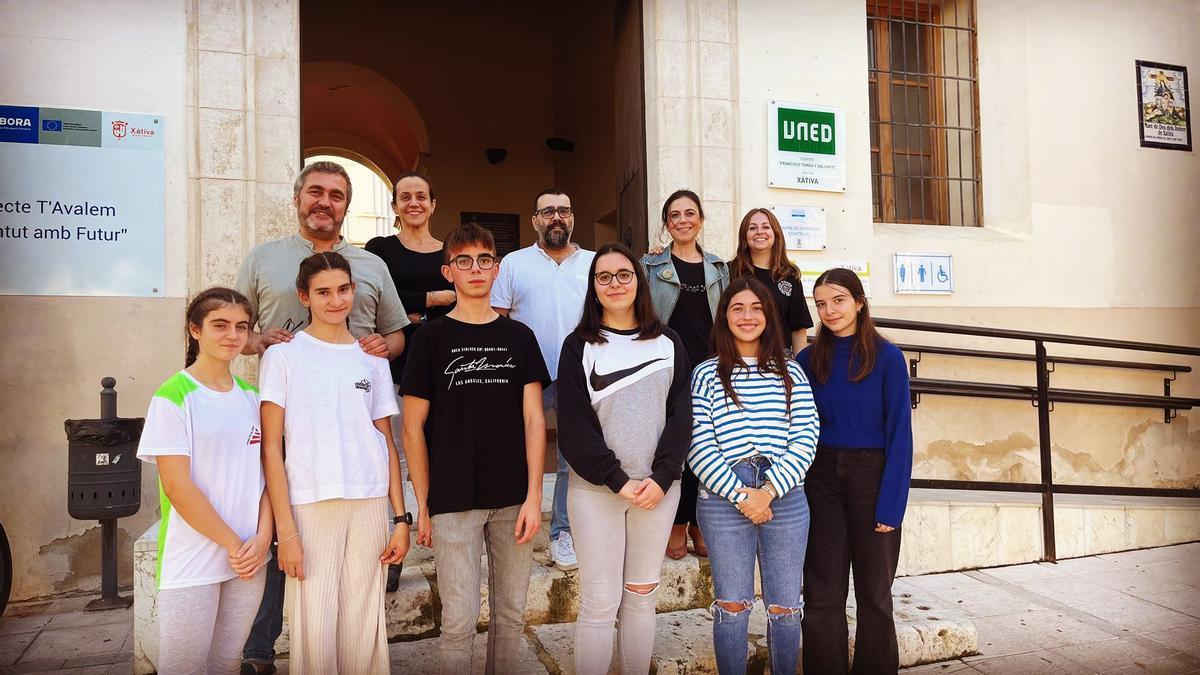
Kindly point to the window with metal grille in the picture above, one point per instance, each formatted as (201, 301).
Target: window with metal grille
(924, 112)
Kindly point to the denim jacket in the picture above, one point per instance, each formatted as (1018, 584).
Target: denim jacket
(664, 281)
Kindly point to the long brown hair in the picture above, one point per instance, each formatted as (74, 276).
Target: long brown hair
(866, 337)
(648, 323)
(771, 356)
(206, 301)
(742, 264)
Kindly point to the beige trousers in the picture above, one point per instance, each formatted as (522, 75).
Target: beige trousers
(335, 616)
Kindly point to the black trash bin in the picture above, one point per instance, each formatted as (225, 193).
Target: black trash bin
(104, 476)
(104, 482)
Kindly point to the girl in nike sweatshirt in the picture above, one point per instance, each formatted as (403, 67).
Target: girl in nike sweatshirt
(624, 425)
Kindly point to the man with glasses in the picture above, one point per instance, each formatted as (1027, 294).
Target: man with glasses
(543, 286)
(475, 441)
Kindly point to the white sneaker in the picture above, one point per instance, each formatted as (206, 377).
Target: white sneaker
(562, 552)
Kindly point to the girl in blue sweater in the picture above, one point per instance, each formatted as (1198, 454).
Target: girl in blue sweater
(857, 486)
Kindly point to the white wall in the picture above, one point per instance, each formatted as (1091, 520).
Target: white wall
(125, 56)
(1076, 214)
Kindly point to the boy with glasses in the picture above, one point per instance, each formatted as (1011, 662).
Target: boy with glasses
(475, 440)
(542, 286)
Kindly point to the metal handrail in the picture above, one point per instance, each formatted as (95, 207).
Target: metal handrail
(1065, 360)
(1043, 396)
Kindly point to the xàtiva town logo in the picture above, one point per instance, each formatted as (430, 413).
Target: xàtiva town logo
(121, 129)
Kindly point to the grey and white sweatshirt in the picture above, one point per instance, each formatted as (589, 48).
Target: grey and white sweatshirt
(624, 408)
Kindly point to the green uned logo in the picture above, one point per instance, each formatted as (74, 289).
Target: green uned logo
(806, 131)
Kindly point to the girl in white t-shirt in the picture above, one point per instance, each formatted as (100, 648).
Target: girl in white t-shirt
(332, 402)
(202, 432)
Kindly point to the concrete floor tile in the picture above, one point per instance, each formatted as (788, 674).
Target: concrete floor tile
(75, 642)
(1091, 563)
(1159, 554)
(23, 624)
(81, 619)
(1184, 638)
(1137, 581)
(1182, 571)
(1044, 629)
(986, 601)
(1175, 664)
(88, 670)
(99, 659)
(38, 666)
(938, 582)
(1107, 654)
(1185, 602)
(1021, 573)
(1040, 662)
(13, 645)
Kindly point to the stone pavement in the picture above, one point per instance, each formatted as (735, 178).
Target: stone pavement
(1133, 612)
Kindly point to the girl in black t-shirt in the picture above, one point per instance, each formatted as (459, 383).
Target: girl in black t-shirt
(762, 254)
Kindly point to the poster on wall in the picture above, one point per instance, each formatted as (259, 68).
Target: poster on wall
(505, 228)
(1163, 110)
(806, 146)
(81, 203)
(803, 227)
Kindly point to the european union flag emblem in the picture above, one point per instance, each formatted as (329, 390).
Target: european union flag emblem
(51, 125)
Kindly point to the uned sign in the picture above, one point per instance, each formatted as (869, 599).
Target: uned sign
(806, 131)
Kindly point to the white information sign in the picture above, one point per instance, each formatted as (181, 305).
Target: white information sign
(922, 273)
(81, 203)
(811, 269)
(806, 146)
(803, 227)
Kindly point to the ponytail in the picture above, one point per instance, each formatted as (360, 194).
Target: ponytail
(204, 302)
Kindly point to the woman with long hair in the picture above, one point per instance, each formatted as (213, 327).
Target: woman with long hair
(202, 431)
(414, 261)
(858, 485)
(330, 496)
(685, 284)
(625, 421)
(762, 254)
(753, 439)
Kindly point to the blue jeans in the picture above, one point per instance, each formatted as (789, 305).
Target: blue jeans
(268, 623)
(734, 543)
(559, 522)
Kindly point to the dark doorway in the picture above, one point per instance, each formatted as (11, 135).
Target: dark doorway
(441, 87)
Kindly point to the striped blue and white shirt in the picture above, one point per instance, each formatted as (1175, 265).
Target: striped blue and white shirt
(724, 433)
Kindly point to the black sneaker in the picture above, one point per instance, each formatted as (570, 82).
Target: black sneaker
(393, 581)
(249, 668)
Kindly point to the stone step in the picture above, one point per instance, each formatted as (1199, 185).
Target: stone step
(683, 644)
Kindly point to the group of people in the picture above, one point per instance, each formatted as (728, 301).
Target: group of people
(687, 401)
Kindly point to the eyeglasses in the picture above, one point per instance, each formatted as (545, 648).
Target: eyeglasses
(464, 262)
(623, 277)
(563, 212)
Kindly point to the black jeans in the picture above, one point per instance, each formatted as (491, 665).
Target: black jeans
(842, 487)
(689, 491)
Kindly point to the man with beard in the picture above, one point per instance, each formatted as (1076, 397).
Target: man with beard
(267, 278)
(543, 286)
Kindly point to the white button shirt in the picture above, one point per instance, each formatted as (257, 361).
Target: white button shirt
(544, 295)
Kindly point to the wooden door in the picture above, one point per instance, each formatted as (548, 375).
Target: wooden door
(630, 103)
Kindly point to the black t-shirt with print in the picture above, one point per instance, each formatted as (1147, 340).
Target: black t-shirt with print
(691, 319)
(474, 376)
(789, 299)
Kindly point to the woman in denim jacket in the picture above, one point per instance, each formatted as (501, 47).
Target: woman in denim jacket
(685, 286)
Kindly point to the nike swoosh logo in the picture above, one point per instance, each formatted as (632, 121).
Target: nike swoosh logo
(606, 380)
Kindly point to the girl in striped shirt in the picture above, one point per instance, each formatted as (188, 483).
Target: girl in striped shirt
(753, 437)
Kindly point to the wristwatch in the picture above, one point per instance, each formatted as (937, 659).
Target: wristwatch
(406, 519)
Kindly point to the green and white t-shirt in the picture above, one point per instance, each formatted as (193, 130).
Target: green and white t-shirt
(219, 432)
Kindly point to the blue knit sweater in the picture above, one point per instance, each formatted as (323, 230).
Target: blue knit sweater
(872, 413)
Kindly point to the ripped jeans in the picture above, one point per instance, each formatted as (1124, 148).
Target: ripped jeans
(734, 543)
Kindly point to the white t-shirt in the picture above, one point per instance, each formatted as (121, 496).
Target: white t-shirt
(330, 395)
(218, 432)
(544, 295)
